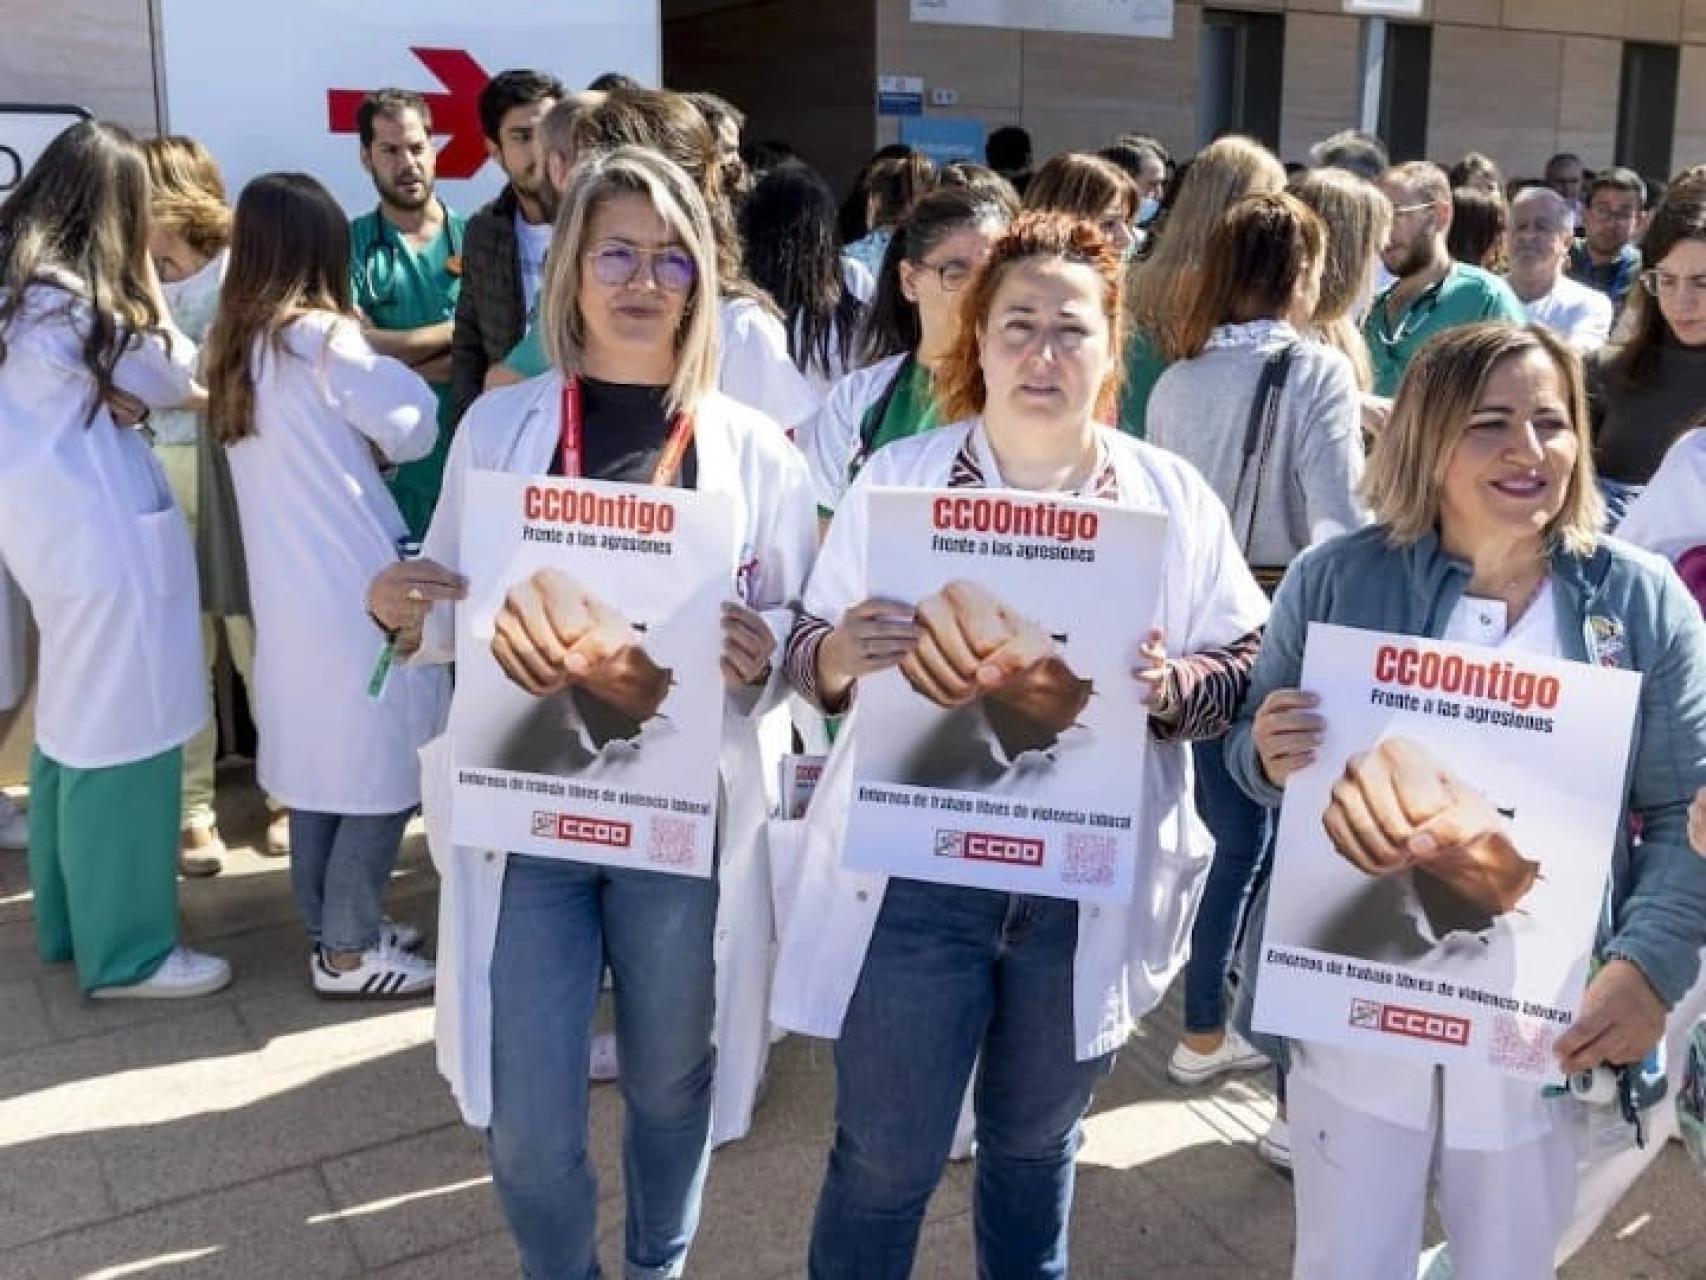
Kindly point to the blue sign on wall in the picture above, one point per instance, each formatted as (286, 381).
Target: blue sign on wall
(944, 140)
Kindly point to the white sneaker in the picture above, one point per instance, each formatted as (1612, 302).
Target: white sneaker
(386, 972)
(1234, 1053)
(14, 826)
(400, 934)
(183, 974)
(1274, 1146)
(605, 1065)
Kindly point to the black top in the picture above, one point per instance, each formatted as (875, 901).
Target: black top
(623, 429)
(1634, 426)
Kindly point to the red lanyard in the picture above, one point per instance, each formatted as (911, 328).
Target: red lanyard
(669, 460)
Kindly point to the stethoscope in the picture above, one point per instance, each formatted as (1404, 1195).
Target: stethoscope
(380, 261)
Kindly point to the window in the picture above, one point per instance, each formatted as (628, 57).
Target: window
(1406, 72)
(1243, 58)
(1646, 108)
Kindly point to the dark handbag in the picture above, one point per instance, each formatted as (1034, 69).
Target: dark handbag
(1258, 446)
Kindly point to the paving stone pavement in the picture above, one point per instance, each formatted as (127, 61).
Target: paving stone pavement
(262, 1133)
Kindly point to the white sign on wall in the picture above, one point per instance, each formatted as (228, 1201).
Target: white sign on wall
(270, 87)
(25, 131)
(1151, 19)
(1386, 8)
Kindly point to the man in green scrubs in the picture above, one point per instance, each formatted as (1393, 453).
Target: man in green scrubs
(1432, 293)
(406, 272)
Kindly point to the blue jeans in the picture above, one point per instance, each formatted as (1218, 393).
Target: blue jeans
(559, 925)
(956, 976)
(339, 864)
(1240, 829)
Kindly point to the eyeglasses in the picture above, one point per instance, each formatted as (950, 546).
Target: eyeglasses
(617, 264)
(952, 275)
(1663, 284)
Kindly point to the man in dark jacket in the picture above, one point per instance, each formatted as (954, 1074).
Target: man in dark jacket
(503, 251)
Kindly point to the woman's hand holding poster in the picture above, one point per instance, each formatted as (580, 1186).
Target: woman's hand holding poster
(1011, 741)
(587, 719)
(1441, 867)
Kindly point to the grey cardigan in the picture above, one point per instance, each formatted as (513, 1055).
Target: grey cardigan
(1200, 409)
(1620, 607)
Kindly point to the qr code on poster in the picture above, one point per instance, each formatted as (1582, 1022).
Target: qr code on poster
(1090, 860)
(1521, 1045)
(673, 842)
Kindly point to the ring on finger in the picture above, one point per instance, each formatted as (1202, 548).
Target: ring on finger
(416, 595)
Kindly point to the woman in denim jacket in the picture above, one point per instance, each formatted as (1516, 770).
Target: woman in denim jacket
(1487, 532)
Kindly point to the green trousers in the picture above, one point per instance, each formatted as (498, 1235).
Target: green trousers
(104, 865)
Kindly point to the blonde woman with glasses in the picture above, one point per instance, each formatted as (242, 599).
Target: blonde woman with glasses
(630, 322)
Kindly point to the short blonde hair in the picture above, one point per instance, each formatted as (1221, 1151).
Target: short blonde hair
(634, 171)
(1441, 387)
(557, 129)
(187, 194)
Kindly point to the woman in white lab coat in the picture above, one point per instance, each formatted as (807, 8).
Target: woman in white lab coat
(912, 324)
(917, 981)
(304, 405)
(629, 311)
(89, 529)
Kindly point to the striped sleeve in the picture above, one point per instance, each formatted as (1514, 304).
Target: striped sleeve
(799, 660)
(1202, 691)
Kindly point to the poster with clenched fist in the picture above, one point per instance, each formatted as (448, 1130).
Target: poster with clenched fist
(587, 718)
(1006, 750)
(1441, 865)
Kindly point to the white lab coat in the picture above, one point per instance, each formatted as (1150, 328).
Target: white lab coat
(318, 527)
(1126, 955)
(1669, 516)
(89, 530)
(743, 454)
(830, 439)
(756, 368)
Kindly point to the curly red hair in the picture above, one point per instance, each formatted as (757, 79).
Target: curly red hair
(960, 388)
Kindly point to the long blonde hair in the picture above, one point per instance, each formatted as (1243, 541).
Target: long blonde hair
(1359, 218)
(642, 172)
(1436, 399)
(1224, 172)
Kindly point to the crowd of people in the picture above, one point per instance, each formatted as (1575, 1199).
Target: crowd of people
(1381, 395)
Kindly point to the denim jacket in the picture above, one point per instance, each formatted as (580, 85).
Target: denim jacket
(1620, 607)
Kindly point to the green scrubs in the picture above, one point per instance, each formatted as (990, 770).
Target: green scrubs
(104, 865)
(1144, 365)
(1466, 295)
(400, 287)
(527, 357)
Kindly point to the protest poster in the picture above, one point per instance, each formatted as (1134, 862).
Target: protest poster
(616, 765)
(1033, 786)
(1475, 950)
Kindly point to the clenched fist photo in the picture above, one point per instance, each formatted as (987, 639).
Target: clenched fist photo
(972, 645)
(552, 634)
(1398, 809)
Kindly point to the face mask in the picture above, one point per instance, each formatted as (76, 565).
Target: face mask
(193, 300)
(1147, 208)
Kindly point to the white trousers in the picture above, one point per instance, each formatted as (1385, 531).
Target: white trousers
(1362, 1187)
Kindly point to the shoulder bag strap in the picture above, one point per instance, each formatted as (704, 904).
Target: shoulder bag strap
(1258, 446)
